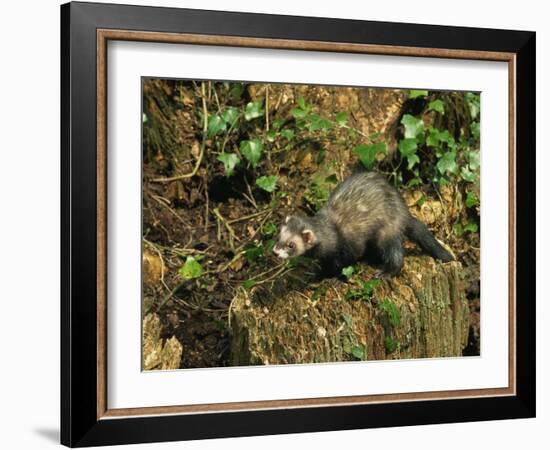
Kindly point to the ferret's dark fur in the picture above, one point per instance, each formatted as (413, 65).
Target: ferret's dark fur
(363, 214)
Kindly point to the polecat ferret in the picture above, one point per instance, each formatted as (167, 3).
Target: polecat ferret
(364, 212)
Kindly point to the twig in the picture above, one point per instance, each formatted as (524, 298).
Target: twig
(217, 213)
(161, 201)
(203, 145)
(250, 216)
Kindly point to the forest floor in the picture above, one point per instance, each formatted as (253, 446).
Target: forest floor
(228, 224)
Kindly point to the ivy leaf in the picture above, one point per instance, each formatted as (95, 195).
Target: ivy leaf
(230, 161)
(408, 146)
(414, 93)
(474, 127)
(358, 352)
(267, 183)
(298, 113)
(473, 102)
(247, 284)
(230, 115)
(433, 137)
(341, 118)
(445, 136)
(215, 125)
(470, 227)
(252, 151)
(457, 229)
(252, 252)
(348, 272)
(413, 126)
(437, 105)
(471, 200)
(318, 123)
(447, 163)
(253, 110)
(467, 175)
(191, 269)
(302, 103)
(412, 160)
(236, 90)
(367, 153)
(473, 160)
(278, 123)
(288, 134)
(271, 135)
(393, 313)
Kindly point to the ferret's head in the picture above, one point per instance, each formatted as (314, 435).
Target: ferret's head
(296, 238)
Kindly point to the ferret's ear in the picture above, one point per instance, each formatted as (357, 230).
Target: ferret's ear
(309, 237)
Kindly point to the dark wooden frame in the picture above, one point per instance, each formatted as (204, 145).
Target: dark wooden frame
(85, 418)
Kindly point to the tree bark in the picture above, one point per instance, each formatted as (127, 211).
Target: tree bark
(422, 313)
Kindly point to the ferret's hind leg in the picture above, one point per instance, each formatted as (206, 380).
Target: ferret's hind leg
(391, 252)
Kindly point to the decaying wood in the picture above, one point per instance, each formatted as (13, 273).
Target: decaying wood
(293, 327)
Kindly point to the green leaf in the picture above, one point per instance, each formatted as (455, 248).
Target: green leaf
(302, 103)
(252, 150)
(437, 105)
(414, 93)
(473, 159)
(447, 163)
(287, 134)
(394, 316)
(473, 101)
(230, 161)
(236, 90)
(253, 110)
(348, 272)
(191, 269)
(144, 118)
(215, 125)
(359, 352)
(474, 127)
(298, 113)
(253, 251)
(367, 153)
(408, 146)
(412, 160)
(277, 123)
(318, 123)
(231, 115)
(271, 135)
(341, 118)
(470, 227)
(433, 139)
(247, 284)
(267, 183)
(467, 175)
(457, 229)
(445, 136)
(471, 200)
(269, 229)
(390, 344)
(413, 126)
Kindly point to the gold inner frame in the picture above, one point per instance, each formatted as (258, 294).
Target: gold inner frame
(103, 36)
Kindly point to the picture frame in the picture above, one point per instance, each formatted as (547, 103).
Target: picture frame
(86, 418)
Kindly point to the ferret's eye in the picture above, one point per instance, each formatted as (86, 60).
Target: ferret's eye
(291, 245)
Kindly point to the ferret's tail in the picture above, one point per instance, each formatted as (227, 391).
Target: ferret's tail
(419, 233)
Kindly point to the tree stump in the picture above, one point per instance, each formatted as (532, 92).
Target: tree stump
(422, 313)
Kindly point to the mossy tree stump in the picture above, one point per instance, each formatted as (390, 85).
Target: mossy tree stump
(422, 313)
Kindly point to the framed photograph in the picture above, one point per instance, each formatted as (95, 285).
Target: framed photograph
(277, 224)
